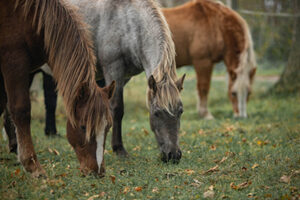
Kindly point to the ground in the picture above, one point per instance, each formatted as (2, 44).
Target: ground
(255, 158)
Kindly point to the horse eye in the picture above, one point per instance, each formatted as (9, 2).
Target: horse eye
(156, 114)
(83, 128)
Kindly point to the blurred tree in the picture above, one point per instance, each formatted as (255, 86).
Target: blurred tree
(171, 3)
(290, 78)
(234, 4)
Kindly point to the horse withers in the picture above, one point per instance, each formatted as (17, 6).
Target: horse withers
(34, 32)
(206, 32)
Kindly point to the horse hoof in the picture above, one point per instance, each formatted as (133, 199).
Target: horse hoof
(206, 116)
(120, 151)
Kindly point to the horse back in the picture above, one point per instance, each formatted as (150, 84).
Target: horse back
(204, 30)
(17, 37)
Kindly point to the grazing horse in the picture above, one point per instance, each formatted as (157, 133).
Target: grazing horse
(132, 36)
(34, 32)
(206, 32)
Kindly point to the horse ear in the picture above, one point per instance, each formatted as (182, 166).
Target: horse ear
(152, 84)
(110, 89)
(179, 83)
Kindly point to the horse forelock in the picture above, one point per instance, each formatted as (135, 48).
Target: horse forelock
(70, 53)
(167, 94)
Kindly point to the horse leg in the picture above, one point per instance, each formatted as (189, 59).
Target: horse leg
(16, 80)
(11, 132)
(117, 105)
(8, 124)
(203, 70)
(50, 99)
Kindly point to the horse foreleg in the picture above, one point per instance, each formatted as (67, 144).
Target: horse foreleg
(203, 72)
(16, 80)
(8, 124)
(116, 105)
(11, 132)
(50, 99)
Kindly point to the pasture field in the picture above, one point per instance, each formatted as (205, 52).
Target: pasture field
(225, 158)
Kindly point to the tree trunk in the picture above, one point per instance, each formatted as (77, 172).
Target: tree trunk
(235, 4)
(290, 78)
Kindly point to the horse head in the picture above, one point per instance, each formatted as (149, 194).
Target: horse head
(165, 111)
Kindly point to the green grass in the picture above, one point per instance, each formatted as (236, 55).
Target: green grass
(268, 139)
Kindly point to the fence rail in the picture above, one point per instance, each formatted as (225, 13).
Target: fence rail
(249, 12)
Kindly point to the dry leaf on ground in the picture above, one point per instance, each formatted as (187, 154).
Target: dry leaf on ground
(138, 189)
(213, 169)
(113, 179)
(240, 186)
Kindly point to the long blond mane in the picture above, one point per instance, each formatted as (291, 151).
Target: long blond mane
(167, 94)
(71, 57)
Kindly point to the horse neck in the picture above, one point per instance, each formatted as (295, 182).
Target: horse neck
(163, 49)
(67, 44)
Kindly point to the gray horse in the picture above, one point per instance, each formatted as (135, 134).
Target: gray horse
(131, 36)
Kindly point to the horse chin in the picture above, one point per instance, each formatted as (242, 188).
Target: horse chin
(171, 157)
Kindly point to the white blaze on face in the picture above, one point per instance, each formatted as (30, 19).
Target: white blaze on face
(241, 86)
(100, 136)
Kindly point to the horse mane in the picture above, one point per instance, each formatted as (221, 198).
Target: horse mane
(247, 59)
(71, 57)
(167, 94)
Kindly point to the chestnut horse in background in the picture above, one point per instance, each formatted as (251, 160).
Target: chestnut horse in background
(206, 32)
(32, 33)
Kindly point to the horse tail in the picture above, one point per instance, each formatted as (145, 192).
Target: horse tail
(71, 57)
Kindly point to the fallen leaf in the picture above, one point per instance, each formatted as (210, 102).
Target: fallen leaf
(145, 131)
(223, 160)
(285, 179)
(155, 190)
(213, 147)
(93, 197)
(56, 152)
(213, 169)
(138, 189)
(211, 187)
(189, 171)
(268, 195)
(126, 189)
(240, 186)
(198, 182)
(201, 132)
(255, 166)
(17, 172)
(50, 150)
(209, 194)
(137, 148)
(102, 194)
(113, 179)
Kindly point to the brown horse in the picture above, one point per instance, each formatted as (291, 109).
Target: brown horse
(206, 32)
(33, 32)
